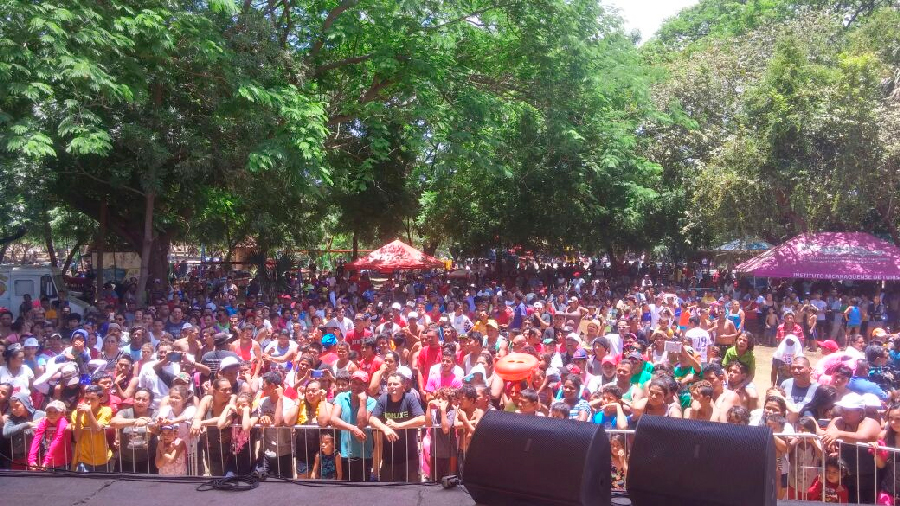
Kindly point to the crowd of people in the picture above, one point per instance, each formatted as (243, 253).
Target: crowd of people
(338, 377)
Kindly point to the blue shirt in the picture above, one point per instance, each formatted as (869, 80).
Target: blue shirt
(895, 357)
(608, 422)
(864, 386)
(854, 317)
(350, 446)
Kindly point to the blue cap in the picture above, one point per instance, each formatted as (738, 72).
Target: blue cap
(329, 340)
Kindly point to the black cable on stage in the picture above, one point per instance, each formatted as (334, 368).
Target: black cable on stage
(231, 484)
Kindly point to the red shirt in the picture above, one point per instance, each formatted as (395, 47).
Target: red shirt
(371, 365)
(429, 356)
(834, 492)
(797, 330)
(504, 315)
(356, 341)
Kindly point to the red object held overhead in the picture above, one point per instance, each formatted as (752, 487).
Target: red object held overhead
(516, 366)
(396, 256)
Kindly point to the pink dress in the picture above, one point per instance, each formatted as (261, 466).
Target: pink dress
(176, 468)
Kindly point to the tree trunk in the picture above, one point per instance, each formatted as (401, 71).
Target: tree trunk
(48, 240)
(100, 247)
(409, 230)
(355, 244)
(67, 263)
(430, 247)
(9, 239)
(146, 246)
(158, 267)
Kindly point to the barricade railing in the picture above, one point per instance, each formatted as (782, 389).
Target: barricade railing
(416, 454)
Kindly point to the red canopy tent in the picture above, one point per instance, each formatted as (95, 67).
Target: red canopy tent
(396, 256)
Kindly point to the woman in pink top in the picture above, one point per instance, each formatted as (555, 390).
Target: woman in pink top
(51, 439)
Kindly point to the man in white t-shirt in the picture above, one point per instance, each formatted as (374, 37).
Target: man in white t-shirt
(820, 306)
(460, 321)
(152, 373)
(700, 339)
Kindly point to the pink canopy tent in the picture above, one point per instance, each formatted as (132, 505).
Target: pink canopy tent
(396, 255)
(828, 255)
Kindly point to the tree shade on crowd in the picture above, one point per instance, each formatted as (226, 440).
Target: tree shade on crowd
(828, 255)
(396, 255)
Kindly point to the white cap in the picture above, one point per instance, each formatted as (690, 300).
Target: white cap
(228, 362)
(574, 337)
(539, 305)
(413, 314)
(871, 400)
(32, 342)
(406, 372)
(851, 401)
(396, 305)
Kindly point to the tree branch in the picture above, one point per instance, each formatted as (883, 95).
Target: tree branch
(326, 25)
(99, 180)
(466, 17)
(341, 63)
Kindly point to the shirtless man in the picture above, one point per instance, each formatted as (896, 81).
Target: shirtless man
(737, 382)
(188, 342)
(723, 399)
(701, 407)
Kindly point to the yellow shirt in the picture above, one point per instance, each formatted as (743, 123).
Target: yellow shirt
(50, 315)
(92, 447)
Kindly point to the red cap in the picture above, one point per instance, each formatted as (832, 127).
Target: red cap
(829, 345)
(360, 375)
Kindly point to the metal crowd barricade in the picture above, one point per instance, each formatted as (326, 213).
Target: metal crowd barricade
(289, 452)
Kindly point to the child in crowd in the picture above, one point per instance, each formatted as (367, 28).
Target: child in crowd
(326, 465)
(51, 439)
(443, 410)
(619, 468)
(607, 405)
(529, 403)
(777, 423)
(241, 415)
(738, 415)
(806, 456)
(834, 491)
(701, 407)
(559, 410)
(886, 458)
(171, 452)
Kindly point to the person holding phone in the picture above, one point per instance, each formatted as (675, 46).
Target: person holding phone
(158, 374)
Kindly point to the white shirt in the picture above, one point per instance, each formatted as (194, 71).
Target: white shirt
(700, 341)
(20, 382)
(615, 345)
(461, 323)
(150, 380)
(820, 306)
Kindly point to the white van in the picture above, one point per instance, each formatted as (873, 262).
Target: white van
(36, 280)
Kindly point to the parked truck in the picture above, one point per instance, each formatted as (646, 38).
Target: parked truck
(36, 280)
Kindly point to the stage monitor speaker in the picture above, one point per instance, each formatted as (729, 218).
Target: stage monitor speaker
(680, 462)
(528, 460)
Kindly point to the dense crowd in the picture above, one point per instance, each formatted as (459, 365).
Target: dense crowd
(338, 377)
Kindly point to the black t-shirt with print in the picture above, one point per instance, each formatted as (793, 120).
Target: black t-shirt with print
(406, 447)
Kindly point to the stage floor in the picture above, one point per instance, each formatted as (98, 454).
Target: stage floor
(40, 489)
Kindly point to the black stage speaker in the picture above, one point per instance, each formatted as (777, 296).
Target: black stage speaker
(529, 460)
(680, 462)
